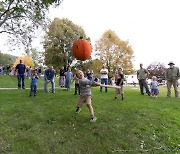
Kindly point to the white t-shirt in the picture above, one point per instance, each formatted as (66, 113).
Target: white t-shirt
(104, 76)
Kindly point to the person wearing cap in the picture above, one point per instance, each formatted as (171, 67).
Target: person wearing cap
(172, 75)
(20, 70)
(142, 74)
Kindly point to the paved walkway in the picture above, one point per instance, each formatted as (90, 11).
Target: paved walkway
(28, 88)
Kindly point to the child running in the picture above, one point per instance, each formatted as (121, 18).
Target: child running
(34, 82)
(85, 94)
(154, 87)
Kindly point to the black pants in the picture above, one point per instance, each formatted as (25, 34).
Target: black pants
(77, 89)
(142, 85)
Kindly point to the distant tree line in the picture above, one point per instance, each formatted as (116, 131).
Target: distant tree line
(7, 59)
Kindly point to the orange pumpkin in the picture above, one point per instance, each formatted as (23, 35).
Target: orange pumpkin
(81, 49)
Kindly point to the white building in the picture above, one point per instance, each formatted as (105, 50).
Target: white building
(131, 79)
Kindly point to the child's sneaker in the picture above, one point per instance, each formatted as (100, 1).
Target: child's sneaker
(78, 110)
(93, 119)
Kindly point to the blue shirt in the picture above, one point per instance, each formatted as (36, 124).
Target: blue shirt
(21, 68)
(34, 80)
(68, 76)
(49, 74)
(154, 85)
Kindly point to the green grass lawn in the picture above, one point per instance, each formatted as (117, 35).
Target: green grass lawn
(48, 124)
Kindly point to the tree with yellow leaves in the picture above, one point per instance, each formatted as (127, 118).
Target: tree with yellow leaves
(115, 52)
(26, 60)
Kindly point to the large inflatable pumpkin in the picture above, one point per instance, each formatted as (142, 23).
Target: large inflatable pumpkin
(81, 49)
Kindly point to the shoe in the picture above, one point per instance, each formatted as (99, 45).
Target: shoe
(115, 98)
(34, 95)
(53, 92)
(78, 110)
(93, 119)
(122, 98)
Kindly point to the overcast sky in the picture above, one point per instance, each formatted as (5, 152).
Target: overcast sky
(151, 26)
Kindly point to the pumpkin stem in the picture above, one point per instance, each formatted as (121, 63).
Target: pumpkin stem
(81, 37)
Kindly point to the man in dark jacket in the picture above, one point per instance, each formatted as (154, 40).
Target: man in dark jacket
(49, 76)
(20, 69)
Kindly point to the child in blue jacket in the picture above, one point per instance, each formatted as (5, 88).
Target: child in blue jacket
(34, 82)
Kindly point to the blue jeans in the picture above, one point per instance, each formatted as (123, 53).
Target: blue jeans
(21, 79)
(46, 85)
(104, 81)
(33, 90)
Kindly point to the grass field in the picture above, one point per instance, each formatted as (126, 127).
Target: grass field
(48, 124)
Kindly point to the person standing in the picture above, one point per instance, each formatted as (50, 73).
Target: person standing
(8, 69)
(76, 86)
(104, 77)
(68, 80)
(29, 72)
(20, 70)
(34, 82)
(49, 76)
(154, 87)
(172, 75)
(142, 74)
(89, 75)
(62, 77)
(119, 78)
(39, 71)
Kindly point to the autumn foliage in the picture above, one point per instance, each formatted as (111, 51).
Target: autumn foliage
(26, 60)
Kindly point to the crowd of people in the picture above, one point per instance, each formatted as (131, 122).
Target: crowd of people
(5, 70)
(172, 74)
(66, 77)
(84, 81)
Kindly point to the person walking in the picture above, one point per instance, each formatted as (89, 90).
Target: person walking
(172, 75)
(20, 70)
(142, 74)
